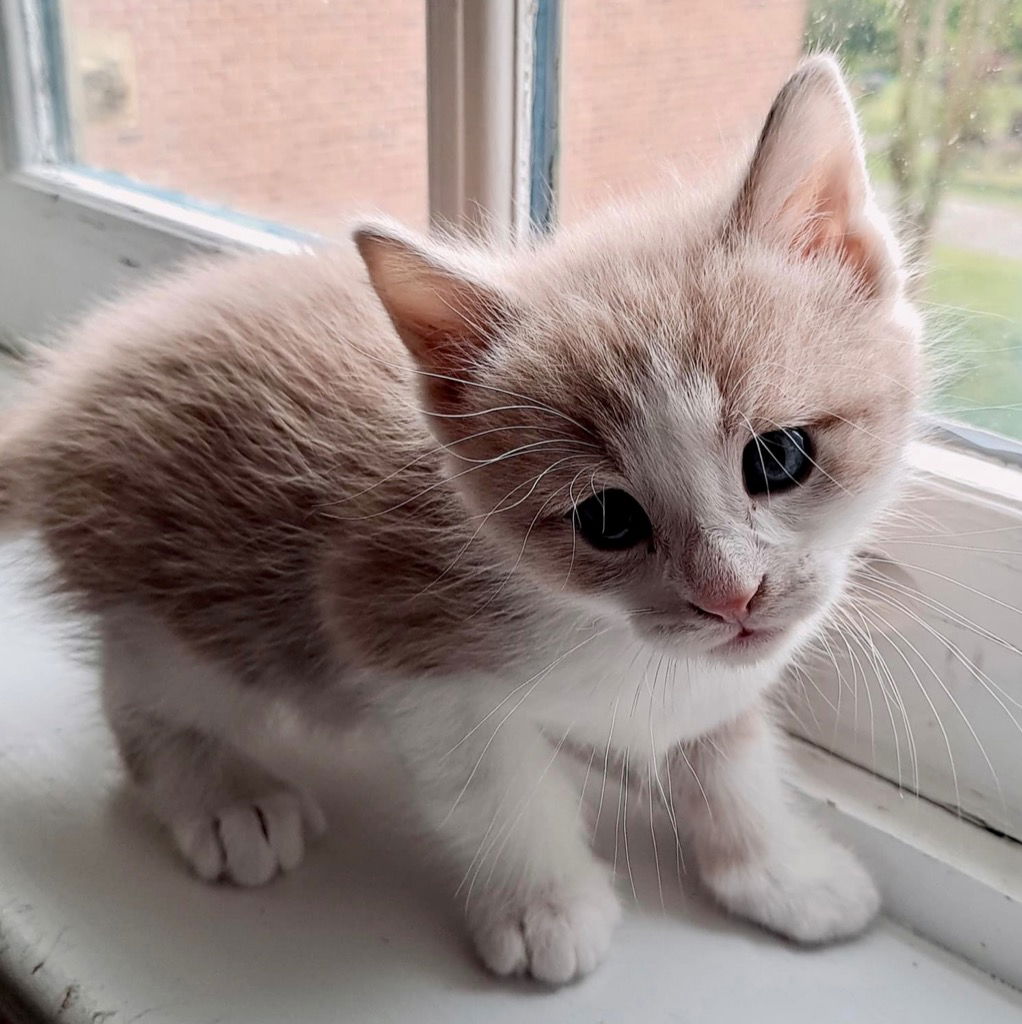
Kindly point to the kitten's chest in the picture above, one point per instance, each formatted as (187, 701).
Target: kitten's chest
(630, 697)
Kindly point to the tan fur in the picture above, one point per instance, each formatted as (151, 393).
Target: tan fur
(301, 482)
(223, 446)
(214, 448)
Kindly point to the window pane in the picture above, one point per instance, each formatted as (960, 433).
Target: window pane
(653, 85)
(290, 110)
(940, 92)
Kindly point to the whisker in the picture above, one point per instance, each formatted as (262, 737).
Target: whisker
(914, 594)
(496, 510)
(443, 481)
(706, 800)
(963, 586)
(628, 857)
(521, 554)
(535, 678)
(933, 708)
(981, 677)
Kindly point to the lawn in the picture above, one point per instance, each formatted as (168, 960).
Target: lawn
(974, 304)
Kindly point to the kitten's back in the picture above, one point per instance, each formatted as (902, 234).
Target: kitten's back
(192, 450)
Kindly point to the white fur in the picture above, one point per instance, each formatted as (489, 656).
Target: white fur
(229, 818)
(242, 462)
(810, 890)
(484, 758)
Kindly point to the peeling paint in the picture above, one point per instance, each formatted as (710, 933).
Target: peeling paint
(71, 994)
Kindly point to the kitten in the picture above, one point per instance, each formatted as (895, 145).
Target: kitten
(662, 433)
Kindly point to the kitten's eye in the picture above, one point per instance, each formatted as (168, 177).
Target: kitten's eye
(777, 461)
(611, 521)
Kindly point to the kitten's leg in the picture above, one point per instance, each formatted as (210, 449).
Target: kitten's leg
(229, 817)
(537, 900)
(755, 850)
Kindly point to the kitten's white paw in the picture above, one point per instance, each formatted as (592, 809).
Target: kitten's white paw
(555, 935)
(249, 841)
(818, 893)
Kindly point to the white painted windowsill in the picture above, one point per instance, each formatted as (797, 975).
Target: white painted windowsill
(99, 922)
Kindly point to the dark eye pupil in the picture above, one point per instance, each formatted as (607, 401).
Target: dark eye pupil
(777, 461)
(611, 521)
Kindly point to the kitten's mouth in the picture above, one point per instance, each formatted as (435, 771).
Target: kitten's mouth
(747, 643)
(749, 640)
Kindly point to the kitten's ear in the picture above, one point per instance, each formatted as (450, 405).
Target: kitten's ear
(443, 316)
(807, 187)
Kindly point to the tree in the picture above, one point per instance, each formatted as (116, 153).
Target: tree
(940, 58)
(943, 58)
(863, 31)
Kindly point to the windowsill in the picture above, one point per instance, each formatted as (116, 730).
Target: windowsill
(89, 192)
(100, 922)
(955, 882)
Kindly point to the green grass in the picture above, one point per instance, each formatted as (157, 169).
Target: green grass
(976, 303)
(989, 185)
(975, 299)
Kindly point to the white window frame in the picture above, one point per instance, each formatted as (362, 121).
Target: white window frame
(68, 236)
(93, 236)
(961, 549)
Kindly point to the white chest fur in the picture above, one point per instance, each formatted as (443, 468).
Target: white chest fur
(621, 693)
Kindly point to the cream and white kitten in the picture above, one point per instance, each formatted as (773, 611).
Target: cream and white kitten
(471, 494)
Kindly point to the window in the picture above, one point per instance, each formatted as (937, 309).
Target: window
(922, 687)
(940, 94)
(289, 111)
(649, 90)
(939, 89)
(527, 110)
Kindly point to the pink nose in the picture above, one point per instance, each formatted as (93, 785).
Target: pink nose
(731, 607)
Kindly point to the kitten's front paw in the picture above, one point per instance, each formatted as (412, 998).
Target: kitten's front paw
(248, 842)
(818, 893)
(556, 934)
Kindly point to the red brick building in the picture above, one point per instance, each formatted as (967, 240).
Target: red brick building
(654, 84)
(296, 110)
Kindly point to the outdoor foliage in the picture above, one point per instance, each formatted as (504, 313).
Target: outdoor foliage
(945, 78)
(939, 89)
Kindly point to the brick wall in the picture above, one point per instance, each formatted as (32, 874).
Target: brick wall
(291, 109)
(297, 110)
(654, 84)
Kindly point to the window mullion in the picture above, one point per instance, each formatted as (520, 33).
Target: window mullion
(477, 96)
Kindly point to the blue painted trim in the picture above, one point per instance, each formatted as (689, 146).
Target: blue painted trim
(56, 79)
(56, 84)
(546, 104)
(169, 195)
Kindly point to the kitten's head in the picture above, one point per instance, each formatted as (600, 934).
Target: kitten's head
(685, 413)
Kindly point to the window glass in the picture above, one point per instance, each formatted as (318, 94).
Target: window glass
(289, 110)
(939, 87)
(650, 86)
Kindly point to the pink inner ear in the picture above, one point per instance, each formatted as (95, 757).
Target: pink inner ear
(829, 227)
(852, 247)
(825, 230)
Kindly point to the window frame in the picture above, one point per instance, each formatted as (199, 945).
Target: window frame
(479, 76)
(979, 687)
(493, 114)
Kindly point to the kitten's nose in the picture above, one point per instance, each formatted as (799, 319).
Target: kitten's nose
(731, 606)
